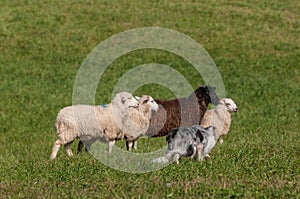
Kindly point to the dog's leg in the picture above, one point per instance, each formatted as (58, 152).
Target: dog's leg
(111, 143)
(200, 152)
(176, 158)
(221, 141)
(207, 156)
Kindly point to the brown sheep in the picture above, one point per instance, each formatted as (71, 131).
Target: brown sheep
(182, 111)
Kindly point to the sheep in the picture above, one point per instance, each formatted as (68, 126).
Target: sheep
(137, 121)
(181, 112)
(220, 117)
(200, 139)
(90, 123)
(178, 112)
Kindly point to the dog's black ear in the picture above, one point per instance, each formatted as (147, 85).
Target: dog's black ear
(211, 127)
(199, 135)
(171, 135)
(174, 133)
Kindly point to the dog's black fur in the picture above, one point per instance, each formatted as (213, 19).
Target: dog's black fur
(184, 142)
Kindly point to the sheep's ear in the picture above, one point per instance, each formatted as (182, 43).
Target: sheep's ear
(137, 97)
(123, 99)
(222, 102)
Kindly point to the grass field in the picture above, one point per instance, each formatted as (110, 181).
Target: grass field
(255, 45)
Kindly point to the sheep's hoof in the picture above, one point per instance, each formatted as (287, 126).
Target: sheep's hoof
(52, 158)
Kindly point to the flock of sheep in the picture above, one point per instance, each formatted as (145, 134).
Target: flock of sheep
(189, 127)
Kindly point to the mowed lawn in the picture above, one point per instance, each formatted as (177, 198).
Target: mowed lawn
(255, 45)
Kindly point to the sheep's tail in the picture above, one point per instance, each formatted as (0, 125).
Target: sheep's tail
(65, 132)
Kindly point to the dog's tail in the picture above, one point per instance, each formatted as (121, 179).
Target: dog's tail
(162, 159)
(172, 156)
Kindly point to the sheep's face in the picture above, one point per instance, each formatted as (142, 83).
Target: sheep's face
(230, 104)
(208, 93)
(147, 100)
(128, 100)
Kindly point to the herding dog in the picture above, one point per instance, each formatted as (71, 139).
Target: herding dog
(187, 142)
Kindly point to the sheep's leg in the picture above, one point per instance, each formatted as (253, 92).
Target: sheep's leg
(55, 149)
(135, 144)
(68, 149)
(221, 141)
(80, 146)
(129, 145)
(200, 152)
(111, 143)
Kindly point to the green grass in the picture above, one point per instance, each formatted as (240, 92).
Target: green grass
(255, 45)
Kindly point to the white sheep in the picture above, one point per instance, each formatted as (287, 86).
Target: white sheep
(220, 117)
(137, 121)
(90, 123)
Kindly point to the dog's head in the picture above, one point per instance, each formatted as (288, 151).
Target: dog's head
(210, 129)
(199, 135)
(208, 93)
(230, 104)
(147, 100)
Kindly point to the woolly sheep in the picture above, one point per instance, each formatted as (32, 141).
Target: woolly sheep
(179, 112)
(137, 121)
(220, 117)
(90, 123)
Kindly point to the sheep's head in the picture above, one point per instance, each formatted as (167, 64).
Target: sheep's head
(147, 100)
(126, 99)
(230, 104)
(208, 93)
